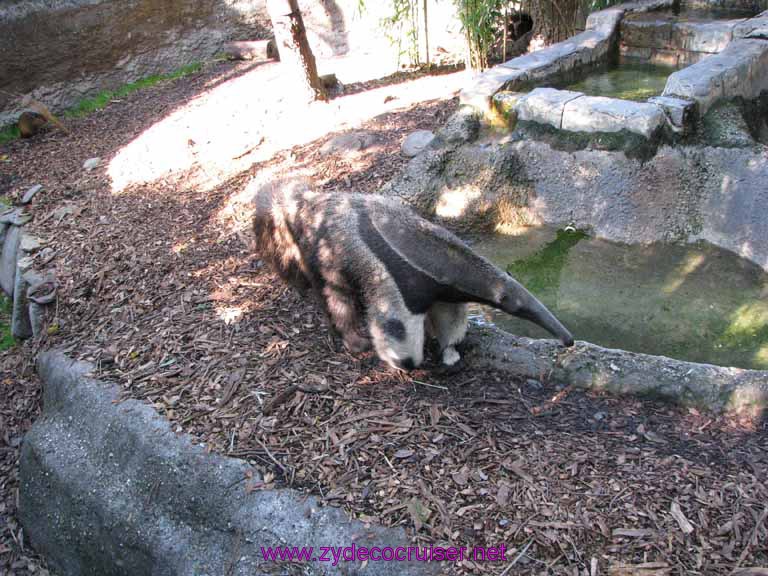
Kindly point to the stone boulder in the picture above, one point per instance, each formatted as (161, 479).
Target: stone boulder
(416, 142)
(108, 489)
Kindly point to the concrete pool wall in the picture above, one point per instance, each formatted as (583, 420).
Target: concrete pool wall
(731, 61)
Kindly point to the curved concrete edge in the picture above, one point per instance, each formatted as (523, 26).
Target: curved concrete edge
(108, 488)
(704, 386)
(588, 47)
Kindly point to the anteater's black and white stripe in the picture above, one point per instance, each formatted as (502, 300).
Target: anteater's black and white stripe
(384, 274)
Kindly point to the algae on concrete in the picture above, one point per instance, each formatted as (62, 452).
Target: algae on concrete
(540, 272)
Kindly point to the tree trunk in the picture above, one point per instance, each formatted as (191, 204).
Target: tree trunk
(426, 32)
(292, 44)
(554, 20)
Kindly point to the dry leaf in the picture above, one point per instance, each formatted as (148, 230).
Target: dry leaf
(682, 521)
(632, 532)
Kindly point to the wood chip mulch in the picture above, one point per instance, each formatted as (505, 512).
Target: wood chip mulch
(181, 314)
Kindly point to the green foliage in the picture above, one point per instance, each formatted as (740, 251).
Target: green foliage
(6, 338)
(480, 21)
(9, 133)
(595, 5)
(103, 98)
(402, 29)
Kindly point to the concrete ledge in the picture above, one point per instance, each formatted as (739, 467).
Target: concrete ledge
(741, 70)
(480, 90)
(680, 113)
(664, 34)
(545, 106)
(756, 27)
(703, 386)
(600, 114)
(588, 47)
(108, 488)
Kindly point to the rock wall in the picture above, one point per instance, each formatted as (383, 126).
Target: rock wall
(730, 4)
(29, 290)
(109, 489)
(680, 194)
(61, 51)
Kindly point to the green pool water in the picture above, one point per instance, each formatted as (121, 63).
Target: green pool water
(695, 302)
(628, 80)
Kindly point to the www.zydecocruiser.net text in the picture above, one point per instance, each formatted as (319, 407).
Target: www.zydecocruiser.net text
(336, 554)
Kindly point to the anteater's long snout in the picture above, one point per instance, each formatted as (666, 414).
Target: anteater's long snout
(521, 303)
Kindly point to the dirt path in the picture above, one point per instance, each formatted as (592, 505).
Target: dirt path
(173, 306)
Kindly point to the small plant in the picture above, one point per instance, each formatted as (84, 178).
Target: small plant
(6, 338)
(9, 133)
(402, 29)
(88, 105)
(480, 20)
(103, 98)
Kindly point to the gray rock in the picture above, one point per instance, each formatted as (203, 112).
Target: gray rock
(3, 231)
(545, 106)
(606, 20)
(681, 114)
(741, 70)
(36, 318)
(20, 324)
(8, 260)
(685, 193)
(107, 488)
(710, 37)
(756, 27)
(478, 93)
(41, 287)
(416, 142)
(600, 114)
(664, 32)
(30, 194)
(462, 127)
(173, 35)
(91, 164)
(725, 126)
(471, 185)
(251, 50)
(29, 243)
(703, 386)
(15, 216)
(588, 47)
(348, 143)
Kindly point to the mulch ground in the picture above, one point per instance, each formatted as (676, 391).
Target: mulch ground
(179, 312)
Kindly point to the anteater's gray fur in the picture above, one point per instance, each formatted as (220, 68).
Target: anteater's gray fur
(384, 274)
